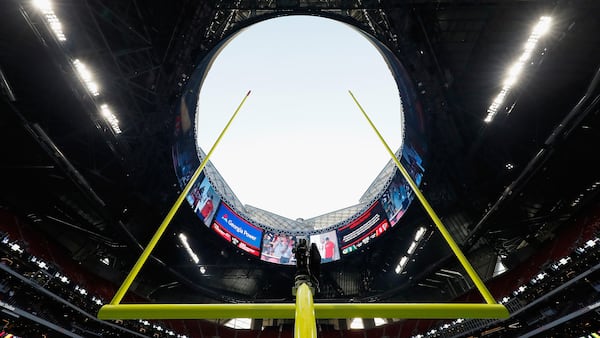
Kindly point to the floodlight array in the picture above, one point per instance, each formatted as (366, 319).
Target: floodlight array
(411, 249)
(45, 7)
(515, 70)
(110, 117)
(86, 77)
(186, 245)
(590, 191)
(84, 73)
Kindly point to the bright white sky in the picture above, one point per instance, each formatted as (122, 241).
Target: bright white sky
(299, 147)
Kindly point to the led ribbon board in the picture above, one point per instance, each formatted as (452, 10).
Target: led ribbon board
(237, 230)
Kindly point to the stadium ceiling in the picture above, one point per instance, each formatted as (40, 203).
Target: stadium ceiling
(502, 188)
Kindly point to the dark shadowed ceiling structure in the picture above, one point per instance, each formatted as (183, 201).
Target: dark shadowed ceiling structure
(502, 188)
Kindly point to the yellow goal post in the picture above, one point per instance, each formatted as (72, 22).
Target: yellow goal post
(305, 311)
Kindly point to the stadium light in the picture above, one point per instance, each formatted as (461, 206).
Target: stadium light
(412, 248)
(540, 29)
(419, 234)
(111, 118)
(42, 265)
(239, 323)
(401, 265)
(16, 247)
(96, 300)
(380, 321)
(87, 77)
(591, 243)
(81, 290)
(357, 323)
(45, 7)
(186, 245)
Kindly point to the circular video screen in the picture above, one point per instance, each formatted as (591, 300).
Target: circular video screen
(299, 160)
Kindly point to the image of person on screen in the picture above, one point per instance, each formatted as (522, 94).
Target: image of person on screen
(329, 248)
(287, 253)
(207, 209)
(280, 246)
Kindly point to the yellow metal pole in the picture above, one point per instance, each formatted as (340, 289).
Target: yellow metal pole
(410, 310)
(196, 311)
(305, 325)
(303, 312)
(163, 226)
(455, 248)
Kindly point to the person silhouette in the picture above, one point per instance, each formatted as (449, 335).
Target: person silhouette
(329, 247)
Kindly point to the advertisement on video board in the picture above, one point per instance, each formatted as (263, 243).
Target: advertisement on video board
(237, 231)
(361, 231)
(327, 244)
